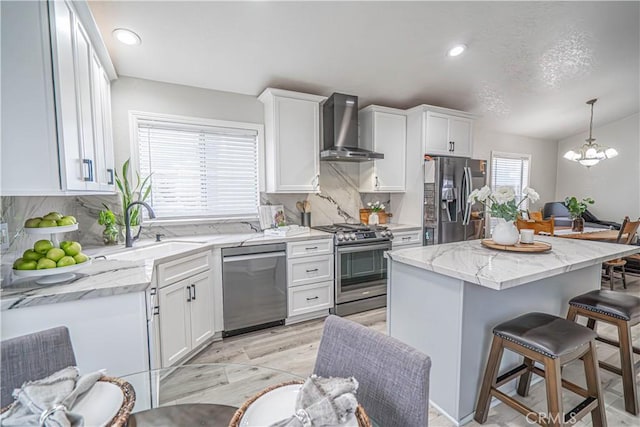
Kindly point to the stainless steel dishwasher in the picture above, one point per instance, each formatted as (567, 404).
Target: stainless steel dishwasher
(254, 286)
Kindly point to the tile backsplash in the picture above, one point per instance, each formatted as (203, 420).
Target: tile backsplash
(338, 201)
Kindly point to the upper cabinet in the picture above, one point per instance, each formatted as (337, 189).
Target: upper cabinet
(383, 130)
(292, 141)
(448, 134)
(57, 138)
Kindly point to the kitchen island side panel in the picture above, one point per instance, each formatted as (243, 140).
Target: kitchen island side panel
(424, 310)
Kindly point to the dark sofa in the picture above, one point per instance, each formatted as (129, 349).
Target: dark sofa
(562, 219)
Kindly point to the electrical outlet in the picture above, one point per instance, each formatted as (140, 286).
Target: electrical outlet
(4, 236)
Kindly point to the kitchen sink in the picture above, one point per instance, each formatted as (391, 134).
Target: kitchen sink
(153, 251)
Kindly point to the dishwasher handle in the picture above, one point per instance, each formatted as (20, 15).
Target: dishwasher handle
(235, 258)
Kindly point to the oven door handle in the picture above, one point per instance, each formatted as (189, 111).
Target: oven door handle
(363, 248)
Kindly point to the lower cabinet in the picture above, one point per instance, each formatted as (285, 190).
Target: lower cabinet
(407, 239)
(310, 289)
(186, 316)
(309, 298)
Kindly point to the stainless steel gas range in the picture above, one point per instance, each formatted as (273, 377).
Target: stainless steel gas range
(360, 266)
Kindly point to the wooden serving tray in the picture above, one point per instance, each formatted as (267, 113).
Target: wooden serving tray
(518, 247)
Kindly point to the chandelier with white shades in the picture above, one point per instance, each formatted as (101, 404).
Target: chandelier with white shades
(590, 153)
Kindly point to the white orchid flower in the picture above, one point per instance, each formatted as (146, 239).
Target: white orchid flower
(473, 197)
(484, 193)
(369, 204)
(381, 206)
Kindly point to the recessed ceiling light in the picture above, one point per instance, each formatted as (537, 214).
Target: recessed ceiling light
(457, 50)
(127, 36)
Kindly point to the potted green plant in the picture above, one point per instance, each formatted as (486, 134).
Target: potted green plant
(130, 193)
(576, 209)
(111, 231)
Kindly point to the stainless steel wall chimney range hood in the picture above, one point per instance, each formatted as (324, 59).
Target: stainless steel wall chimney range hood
(340, 131)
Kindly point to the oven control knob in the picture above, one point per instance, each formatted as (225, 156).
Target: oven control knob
(352, 236)
(340, 237)
(390, 235)
(384, 233)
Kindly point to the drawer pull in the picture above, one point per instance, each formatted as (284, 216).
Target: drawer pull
(404, 239)
(312, 270)
(311, 248)
(311, 299)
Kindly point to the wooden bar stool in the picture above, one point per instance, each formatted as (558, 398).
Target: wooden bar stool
(623, 311)
(553, 342)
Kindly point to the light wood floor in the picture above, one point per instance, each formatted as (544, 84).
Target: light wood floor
(293, 349)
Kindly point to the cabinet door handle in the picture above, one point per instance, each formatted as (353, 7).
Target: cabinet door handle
(194, 292)
(156, 310)
(377, 182)
(313, 270)
(311, 299)
(89, 164)
(453, 143)
(450, 146)
(110, 172)
(189, 290)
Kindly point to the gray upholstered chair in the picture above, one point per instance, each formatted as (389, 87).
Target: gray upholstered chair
(393, 377)
(34, 356)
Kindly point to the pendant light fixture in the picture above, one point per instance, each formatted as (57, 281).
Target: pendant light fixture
(590, 153)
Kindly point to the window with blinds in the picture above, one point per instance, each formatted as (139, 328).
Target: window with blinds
(510, 170)
(199, 171)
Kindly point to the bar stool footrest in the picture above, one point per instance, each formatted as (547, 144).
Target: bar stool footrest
(510, 375)
(614, 343)
(582, 409)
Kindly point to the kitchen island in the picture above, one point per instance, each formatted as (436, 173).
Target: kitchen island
(445, 300)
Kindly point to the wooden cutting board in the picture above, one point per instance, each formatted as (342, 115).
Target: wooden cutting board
(534, 247)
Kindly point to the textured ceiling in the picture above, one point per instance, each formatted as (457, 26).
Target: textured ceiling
(529, 69)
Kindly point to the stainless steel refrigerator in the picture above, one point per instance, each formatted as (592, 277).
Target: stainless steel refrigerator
(447, 185)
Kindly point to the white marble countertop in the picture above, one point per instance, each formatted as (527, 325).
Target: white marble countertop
(472, 262)
(106, 277)
(402, 227)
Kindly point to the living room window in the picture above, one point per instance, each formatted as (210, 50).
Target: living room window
(199, 168)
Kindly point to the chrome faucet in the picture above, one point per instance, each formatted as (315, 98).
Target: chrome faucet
(127, 222)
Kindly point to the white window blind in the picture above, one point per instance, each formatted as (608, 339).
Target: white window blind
(510, 170)
(199, 171)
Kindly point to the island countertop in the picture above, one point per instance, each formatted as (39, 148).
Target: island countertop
(474, 263)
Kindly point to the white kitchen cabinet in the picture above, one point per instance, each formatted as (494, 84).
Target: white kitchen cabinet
(201, 308)
(406, 239)
(383, 130)
(448, 135)
(310, 274)
(175, 329)
(292, 141)
(57, 138)
(185, 306)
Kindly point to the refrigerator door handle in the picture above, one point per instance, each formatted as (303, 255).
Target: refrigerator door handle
(467, 191)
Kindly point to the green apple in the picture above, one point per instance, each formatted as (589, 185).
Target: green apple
(47, 223)
(65, 221)
(16, 262)
(44, 263)
(71, 248)
(31, 255)
(26, 265)
(80, 258)
(42, 246)
(32, 222)
(70, 218)
(55, 254)
(66, 261)
(54, 216)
